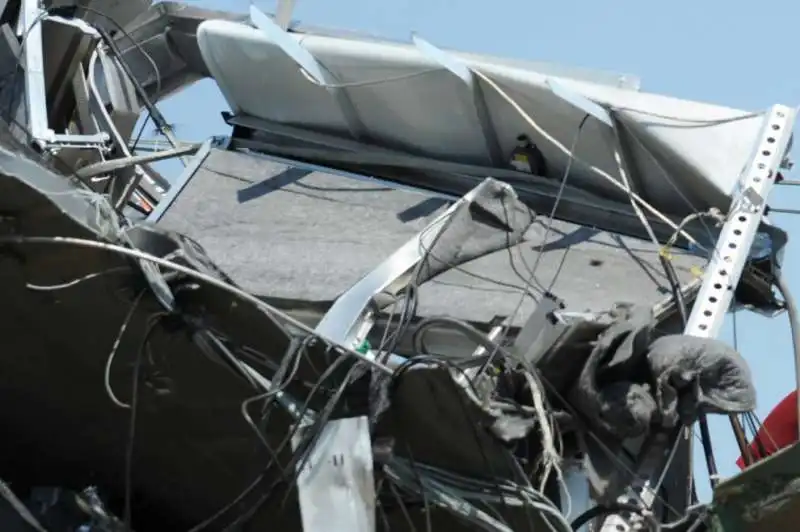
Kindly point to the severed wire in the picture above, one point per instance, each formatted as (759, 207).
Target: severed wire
(449, 364)
(200, 276)
(11, 498)
(148, 58)
(655, 212)
(75, 282)
(369, 82)
(295, 462)
(150, 327)
(561, 188)
(114, 348)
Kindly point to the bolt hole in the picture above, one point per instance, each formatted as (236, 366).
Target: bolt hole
(712, 299)
(766, 153)
(737, 232)
(718, 286)
(707, 313)
(756, 180)
(703, 327)
(776, 127)
(732, 245)
(723, 272)
(771, 140)
(743, 218)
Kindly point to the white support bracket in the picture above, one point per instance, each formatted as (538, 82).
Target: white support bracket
(725, 267)
(306, 61)
(465, 74)
(29, 29)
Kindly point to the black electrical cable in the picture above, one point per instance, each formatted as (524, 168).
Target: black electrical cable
(411, 300)
(561, 188)
(293, 462)
(469, 331)
(408, 311)
(675, 288)
(472, 423)
(415, 470)
(149, 329)
(613, 509)
(152, 111)
(702, 421)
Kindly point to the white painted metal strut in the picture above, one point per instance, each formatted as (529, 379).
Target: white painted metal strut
(306, 61)
(458, 68)
(30, 30)
(723, 272)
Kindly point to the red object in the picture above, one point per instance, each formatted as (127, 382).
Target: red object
(779, 430)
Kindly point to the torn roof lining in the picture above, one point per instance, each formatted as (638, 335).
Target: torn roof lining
(269, 226)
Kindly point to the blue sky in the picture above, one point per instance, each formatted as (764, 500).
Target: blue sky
(731, 52)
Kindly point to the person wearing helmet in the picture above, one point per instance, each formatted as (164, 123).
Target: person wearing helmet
(526, 157)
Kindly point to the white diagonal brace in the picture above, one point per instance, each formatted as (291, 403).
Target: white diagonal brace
(306, 60)
(283, 13)
(463, 72)
(581, 102)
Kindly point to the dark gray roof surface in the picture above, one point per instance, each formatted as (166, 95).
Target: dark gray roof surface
(287, 232)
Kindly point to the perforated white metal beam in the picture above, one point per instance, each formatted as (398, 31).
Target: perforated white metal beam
(722, 275)
(306, 60)
(739, 231)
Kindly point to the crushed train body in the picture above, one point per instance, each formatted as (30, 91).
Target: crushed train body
(362, 310)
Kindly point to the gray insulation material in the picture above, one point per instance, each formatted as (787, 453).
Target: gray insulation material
(288, 232)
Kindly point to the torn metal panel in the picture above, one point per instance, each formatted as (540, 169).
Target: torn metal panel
(179, 425)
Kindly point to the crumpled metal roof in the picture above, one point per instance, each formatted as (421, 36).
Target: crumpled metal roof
(298, 234)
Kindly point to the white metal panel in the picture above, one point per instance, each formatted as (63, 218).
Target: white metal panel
(432, 112)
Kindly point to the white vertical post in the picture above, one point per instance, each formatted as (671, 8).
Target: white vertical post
(30, 30)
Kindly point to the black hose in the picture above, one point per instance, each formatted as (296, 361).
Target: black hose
(702, 421)
(675, 287)
(794, 321)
